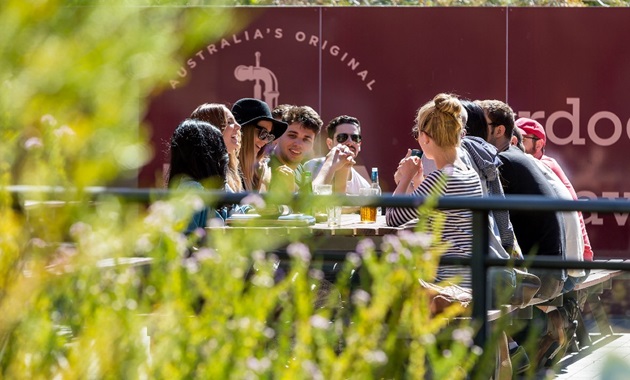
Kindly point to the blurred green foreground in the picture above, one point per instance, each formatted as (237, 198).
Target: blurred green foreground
(75, 81)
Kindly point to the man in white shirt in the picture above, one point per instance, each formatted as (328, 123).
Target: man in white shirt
(344, 142)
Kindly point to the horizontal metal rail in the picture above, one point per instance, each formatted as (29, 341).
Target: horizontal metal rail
(490, 203)
(479, 262)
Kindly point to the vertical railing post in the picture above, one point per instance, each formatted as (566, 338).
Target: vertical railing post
(479, 275)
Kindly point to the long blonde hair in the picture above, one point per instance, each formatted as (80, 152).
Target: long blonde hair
(214, 114)
(252, 167)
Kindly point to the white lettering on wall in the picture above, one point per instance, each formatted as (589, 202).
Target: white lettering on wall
(225, 43)
(574, 117)
(620, 218)
(592, 133)
(598, 127)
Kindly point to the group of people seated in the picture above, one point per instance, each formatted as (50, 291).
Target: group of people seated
(471, 149)
(253, 148)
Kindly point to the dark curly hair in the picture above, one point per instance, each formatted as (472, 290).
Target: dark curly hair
(198, 151)
(304, 115)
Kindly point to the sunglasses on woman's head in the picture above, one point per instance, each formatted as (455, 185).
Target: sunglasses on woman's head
(342, 137)
(264, 134)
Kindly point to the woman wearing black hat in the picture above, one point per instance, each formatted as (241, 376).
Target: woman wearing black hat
(258, 128)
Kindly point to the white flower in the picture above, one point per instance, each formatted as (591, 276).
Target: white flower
(32, 143)
(143, 244)
(299, 251)
(427, 339)
(191, 265)
(199, 233)
(206, 253)
(464, 335)
(312, 369)
(195, 201)
(80, 229)
(258, 255)
(391, 241)
(269, 333)
(364, 246)
(160, 213)
(216, 222)
(50, 119)
(255, 200)
(64, 130)
(319, 322)
(258, 365)
(415, 239)
(316, 274)
(39, 243)
(377, 357)
(360, 297)
(263, 281)
(354, 259)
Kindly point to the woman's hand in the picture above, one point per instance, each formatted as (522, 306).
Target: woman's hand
(409, 169)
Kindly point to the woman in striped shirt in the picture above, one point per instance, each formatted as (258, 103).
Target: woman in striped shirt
(438, 131)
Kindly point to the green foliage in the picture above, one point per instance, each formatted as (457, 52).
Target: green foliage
(75, 79)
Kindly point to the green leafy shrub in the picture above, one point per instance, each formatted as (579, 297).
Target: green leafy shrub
(75, 80)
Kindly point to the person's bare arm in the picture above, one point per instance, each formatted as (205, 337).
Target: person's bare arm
(336, 168)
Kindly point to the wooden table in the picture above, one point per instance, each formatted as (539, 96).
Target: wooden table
(329, 245)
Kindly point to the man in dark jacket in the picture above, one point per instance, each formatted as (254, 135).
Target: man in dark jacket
(538, 233)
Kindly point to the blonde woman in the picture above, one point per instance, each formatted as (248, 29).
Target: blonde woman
(438, 131)
(221, 117)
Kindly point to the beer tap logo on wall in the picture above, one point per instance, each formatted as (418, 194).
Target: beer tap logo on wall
(263, 77)
(260, 75)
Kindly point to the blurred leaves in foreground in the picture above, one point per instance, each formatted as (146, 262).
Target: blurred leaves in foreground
(74, 83)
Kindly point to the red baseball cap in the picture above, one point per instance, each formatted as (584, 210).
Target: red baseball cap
(532, 127)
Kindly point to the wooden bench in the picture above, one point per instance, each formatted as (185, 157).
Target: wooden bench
(597, 281)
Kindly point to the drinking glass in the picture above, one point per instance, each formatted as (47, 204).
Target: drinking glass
(333, 213)
(368, 213)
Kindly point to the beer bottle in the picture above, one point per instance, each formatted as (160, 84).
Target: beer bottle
(376, 185)
(306, 192)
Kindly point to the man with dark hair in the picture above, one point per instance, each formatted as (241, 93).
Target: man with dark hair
(337, 168)
(293, 147)
(538, 233)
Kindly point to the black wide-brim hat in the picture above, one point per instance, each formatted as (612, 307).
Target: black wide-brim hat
(249, 111)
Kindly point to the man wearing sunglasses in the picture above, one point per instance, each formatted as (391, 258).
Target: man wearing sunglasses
(293, 147)
(337, 168)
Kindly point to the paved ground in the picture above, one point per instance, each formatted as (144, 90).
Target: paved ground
(608, 358)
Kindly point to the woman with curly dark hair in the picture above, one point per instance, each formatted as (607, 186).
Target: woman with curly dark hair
(199, 160)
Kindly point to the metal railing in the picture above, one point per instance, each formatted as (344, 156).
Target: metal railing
(479, 261)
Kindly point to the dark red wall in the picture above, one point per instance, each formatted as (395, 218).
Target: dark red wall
(567, 67)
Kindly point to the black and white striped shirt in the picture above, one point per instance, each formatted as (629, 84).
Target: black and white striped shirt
(456, 224)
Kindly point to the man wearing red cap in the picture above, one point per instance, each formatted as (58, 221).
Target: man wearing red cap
(535, 140)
